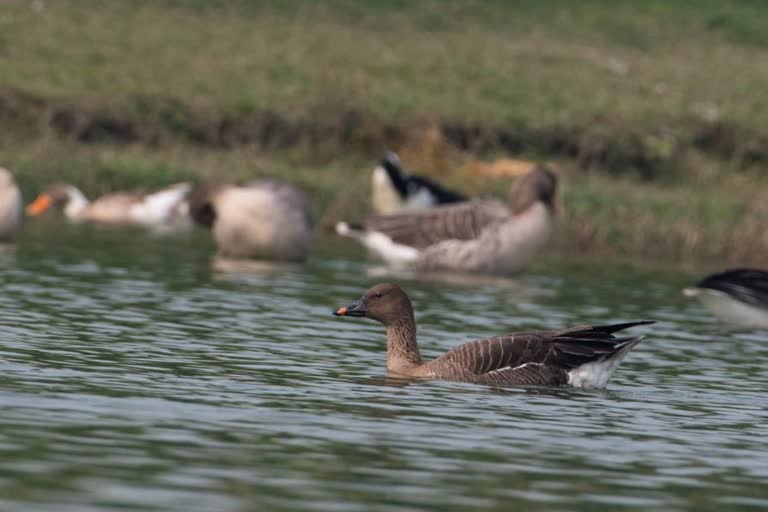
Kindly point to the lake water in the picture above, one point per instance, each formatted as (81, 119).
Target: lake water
(134, 376)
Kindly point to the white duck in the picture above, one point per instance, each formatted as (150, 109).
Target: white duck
(164, 208)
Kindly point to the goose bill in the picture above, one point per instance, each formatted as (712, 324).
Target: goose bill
(39, 205)
(354, 309)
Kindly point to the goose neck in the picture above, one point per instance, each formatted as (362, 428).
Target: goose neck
(402, 351)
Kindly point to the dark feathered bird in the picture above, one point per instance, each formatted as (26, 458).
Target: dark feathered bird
(395, 191)
(736, 296)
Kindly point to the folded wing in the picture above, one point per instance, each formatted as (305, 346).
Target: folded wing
(461, 221)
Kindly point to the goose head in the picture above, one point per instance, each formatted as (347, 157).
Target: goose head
(538, 185)
(66, 197)
(386, 303)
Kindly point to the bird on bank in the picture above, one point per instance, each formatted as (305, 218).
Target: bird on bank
(164, 208)
(11, 217)
(584, 356)
(485, 236)
(396, 191)
(263, 219)
(737, 296)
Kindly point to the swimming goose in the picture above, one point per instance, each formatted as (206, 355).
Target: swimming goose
(166, 207)
(485, 236)
(395, 191)
(737, 296)
(10, 205)
(584, 356)
(263, 219)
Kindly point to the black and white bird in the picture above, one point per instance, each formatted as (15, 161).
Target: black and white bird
(396, 191)
(737, 296)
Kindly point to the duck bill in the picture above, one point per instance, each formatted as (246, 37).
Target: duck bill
(39, 205)
(355, 309)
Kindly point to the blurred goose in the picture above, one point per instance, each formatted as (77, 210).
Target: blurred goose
(10, 205)
(738, 296)
(165, 207)
(486, 236)
(262, 220)
(584, 356)
(395, 191)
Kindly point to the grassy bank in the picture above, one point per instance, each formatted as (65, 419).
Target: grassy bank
(715, 218)
(654, 111)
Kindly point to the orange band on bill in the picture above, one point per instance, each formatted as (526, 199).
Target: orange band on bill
(341, 311)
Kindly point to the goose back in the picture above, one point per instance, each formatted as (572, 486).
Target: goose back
(461, 221)
(112, 208)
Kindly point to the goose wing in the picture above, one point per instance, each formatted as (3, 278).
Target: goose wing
(532, 358)
(461, 221)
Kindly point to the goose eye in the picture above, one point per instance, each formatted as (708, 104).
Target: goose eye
(378, 295)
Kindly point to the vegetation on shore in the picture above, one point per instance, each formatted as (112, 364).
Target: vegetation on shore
(653, 112)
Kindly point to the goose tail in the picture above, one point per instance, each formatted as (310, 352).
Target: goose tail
(596, 374)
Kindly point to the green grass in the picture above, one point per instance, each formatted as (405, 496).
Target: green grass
(620, 73)
(542, 63)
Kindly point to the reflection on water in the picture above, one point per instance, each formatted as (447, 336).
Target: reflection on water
(137, 374)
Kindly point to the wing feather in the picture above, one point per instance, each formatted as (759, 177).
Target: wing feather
(461, 221)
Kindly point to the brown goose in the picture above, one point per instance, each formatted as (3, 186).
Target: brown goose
(583, 356)
(10, 205)
(486, 236)
(263, 219)
(166, 207)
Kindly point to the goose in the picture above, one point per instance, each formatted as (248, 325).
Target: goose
(584, 356)
(736, 296)
(483, 236)
(166, 207)
(10, 205)
(263, 219)
(395, 191)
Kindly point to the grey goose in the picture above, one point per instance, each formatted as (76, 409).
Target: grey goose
(10, 205)
(263, 219)
(164, 208)
(736, 296)
(584, 356)
(396, 191)
(484, 236)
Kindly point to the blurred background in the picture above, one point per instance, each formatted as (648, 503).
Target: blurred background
(654, 113)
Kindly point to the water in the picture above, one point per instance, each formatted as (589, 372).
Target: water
(133, 376)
